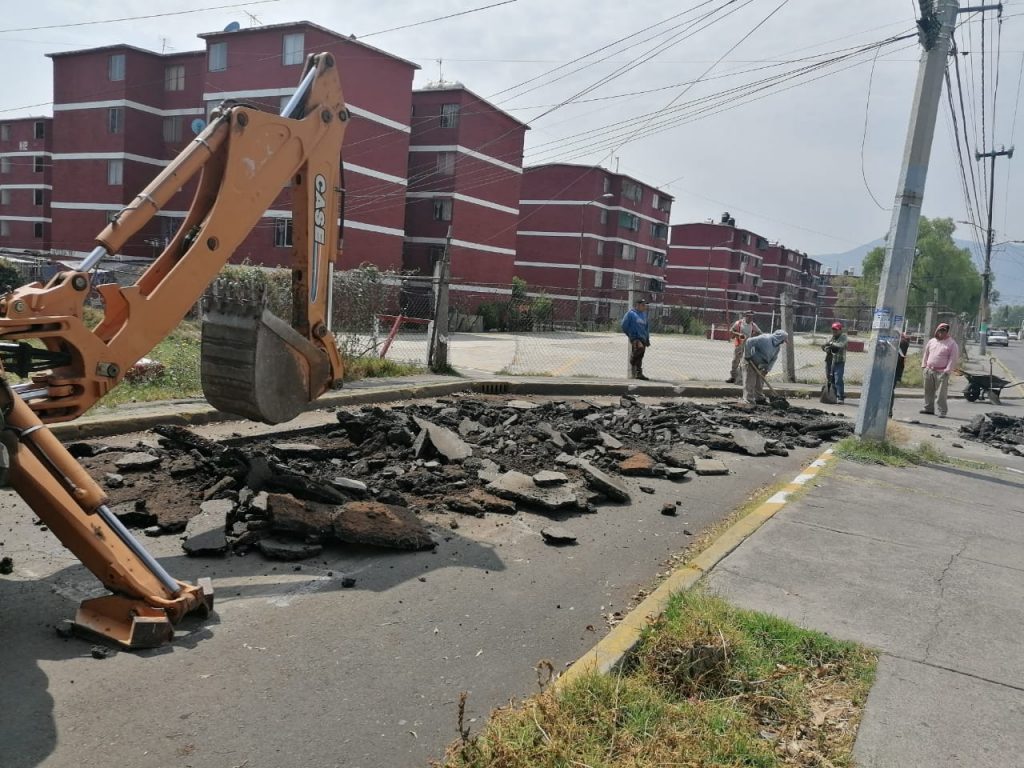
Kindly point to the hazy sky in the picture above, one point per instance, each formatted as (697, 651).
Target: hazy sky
(789, 165)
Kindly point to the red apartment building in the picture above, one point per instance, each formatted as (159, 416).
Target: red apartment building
(26, 184)
(716, 269)
(788, 271)
(120, 113)
(465, 173)
(588, 233)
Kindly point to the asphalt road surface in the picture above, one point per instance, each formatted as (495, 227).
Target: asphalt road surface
(295, 671)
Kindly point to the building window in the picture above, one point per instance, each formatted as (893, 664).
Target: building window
(620, 281)
(449, 115)
(606, 185)
(659, 231)
(282, 233)
(442, 210)
(37, 229)
(446, 163)
(628, 252)
(761, 243)
(435, 253)
(5, 197)
(37, 163)
(655, 259)
(632, 191)
(218, 57)
(655, 199)
(629, 221)
(5, 132)
(174, 77)
(115, 172)
(5, 165)
(604, 215)
(5, 228)
(115, 67)
(40, 129)
(654, 285)
(37, 197)
(598, 278)
(115, 119)
(600, 247)
(172, 129)
(294, 50)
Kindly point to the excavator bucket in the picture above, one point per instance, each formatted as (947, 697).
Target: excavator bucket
(256, 365)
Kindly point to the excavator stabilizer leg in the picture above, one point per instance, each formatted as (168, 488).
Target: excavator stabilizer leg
(256, 365)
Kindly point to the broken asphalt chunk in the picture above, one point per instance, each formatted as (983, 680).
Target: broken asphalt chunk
(603, 482)
(136, 461)
(557, 536)
(521, 489)
(710, 467)
(382, 525)
(437, 440)
(280, 549)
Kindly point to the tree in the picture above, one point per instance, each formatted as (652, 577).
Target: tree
(942, 272)
(9, 275)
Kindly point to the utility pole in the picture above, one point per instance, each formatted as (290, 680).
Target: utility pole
(935, 33)
(984, 310)
(786, 311)
(437, 354)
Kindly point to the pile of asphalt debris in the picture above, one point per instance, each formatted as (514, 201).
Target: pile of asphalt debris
(998, 430)
(365, 479)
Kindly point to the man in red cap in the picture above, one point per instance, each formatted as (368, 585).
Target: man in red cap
(835, 360)
(940, 357)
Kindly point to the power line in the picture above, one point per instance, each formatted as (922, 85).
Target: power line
(137, 18)
(437, 18)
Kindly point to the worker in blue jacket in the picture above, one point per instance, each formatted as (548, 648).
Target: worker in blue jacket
(634, 325)
(760, 353)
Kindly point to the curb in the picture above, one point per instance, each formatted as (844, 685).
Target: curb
(612, 649)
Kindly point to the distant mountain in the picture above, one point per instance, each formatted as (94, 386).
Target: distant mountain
(1007, 265)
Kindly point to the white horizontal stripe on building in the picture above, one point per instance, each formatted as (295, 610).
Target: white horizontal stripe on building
(462, 244)
(24, 218)
(466, 199)
(26, 186)
(576, 236)
(468, 152)
(271, 92)
(706, 249)
(362, 170)
(26, 153)
(699, 289)
(89, 206)
(586, 268)
(113, 103)
(595, 204)
(283, 214)
(110, 156)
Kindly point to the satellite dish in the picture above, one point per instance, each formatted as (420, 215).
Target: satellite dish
(197, 125)
(234, 26)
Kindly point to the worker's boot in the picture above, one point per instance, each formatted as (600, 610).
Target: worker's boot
(639, 374)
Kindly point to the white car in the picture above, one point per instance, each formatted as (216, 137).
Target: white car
(998, 338)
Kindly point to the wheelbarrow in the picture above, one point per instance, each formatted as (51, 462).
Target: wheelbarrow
(982, 386)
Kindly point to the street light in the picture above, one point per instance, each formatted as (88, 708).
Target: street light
(579, 268)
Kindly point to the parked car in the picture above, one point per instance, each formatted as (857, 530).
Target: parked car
(998, 338)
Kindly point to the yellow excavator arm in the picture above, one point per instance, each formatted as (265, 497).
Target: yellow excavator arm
(254, 364)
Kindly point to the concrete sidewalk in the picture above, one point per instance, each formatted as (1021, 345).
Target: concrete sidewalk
(925, 564)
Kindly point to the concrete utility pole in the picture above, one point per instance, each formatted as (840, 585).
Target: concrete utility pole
(984, 311)
(437, 355)
(787, 325)
(934, 31)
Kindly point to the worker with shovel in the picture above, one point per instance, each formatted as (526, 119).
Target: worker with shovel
(760, 353)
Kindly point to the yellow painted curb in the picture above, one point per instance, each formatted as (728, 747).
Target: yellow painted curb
(613, 647)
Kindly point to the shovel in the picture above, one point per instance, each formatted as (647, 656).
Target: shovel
(776, 400)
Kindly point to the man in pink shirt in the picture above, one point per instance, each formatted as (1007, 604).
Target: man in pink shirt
(941, 355)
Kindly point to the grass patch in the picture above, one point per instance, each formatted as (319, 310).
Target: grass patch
(886, 452)
(709, 685)
(179, 353)
(357, 368)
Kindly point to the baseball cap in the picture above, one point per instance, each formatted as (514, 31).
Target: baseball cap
(837, 326)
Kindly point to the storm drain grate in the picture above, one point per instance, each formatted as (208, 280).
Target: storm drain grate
(492, 387)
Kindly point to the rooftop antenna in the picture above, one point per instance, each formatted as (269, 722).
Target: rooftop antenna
(440, 70)
(165, 45)
(254, 20)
